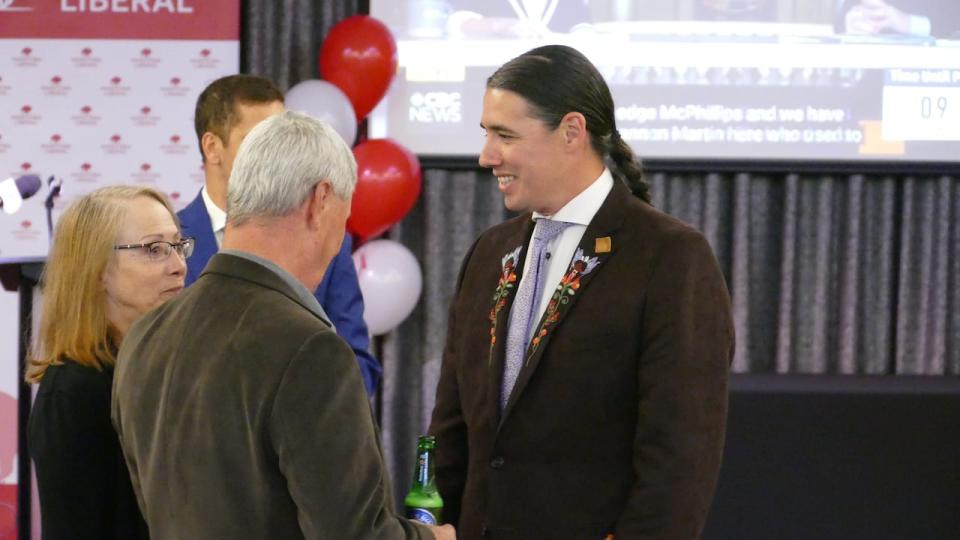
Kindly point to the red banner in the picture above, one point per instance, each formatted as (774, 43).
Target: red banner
(120, 19)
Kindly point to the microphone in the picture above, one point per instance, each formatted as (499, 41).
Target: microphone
(13, 192)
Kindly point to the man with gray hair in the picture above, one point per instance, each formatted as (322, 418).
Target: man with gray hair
(240, 411)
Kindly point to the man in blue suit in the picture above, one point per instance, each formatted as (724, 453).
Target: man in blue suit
(226, 111)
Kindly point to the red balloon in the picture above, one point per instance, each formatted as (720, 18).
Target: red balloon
(388, 184)
(359, 56)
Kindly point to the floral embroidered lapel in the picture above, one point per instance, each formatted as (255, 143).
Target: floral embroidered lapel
(511, 268)
(506, 287)
(587, 262)
(562, 297)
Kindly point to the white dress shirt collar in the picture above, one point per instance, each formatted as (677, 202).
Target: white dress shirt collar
(581, 209)
(580, 212)
(218, 218)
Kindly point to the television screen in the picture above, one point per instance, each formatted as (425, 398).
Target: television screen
(807, 80)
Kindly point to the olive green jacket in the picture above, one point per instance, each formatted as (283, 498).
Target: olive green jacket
(242, 415)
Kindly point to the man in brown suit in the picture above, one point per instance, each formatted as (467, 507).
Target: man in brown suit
(587, 397)
(241, 413)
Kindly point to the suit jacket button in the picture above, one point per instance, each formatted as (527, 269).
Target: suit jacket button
(484, 531)
(496, 462)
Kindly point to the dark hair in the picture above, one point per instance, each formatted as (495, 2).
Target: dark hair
(216, 106)
(556, 80)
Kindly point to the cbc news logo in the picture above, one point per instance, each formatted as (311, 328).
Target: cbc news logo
(435, 108)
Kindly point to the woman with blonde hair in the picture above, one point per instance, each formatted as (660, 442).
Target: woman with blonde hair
(116, 254)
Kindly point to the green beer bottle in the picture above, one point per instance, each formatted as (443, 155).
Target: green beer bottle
(423, 502)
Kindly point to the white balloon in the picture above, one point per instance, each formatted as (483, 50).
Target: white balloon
(325, 101)
(390, 281)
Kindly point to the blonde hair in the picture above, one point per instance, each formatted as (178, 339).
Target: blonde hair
(73, 323)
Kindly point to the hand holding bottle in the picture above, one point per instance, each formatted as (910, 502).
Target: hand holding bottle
(444, 532)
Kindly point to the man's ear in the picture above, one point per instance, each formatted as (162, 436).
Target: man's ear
(212, 148)
(573, 127)
(318, 201)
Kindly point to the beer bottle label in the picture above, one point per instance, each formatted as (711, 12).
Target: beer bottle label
(422, 515)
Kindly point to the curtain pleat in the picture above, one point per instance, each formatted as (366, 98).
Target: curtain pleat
(924, 278)
(281, 38)
(953, 284)
(849, 292)
(875, 298)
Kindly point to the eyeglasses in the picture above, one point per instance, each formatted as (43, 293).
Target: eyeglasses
(161, 249)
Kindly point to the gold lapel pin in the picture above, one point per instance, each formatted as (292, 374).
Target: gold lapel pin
(603, 245)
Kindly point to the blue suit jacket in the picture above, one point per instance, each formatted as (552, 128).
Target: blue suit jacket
(338, 293)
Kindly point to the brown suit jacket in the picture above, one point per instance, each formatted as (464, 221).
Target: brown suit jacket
(242, 415)
(617, 419)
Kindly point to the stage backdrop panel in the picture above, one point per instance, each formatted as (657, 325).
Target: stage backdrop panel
(94, 93)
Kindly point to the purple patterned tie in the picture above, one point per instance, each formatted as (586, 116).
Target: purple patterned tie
(524, 305)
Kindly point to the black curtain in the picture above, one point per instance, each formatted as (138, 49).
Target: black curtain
(280, 39)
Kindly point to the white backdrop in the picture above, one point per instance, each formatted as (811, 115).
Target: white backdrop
(121, 114)
(96, 92)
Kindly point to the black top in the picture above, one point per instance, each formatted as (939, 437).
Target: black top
(85, 490)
